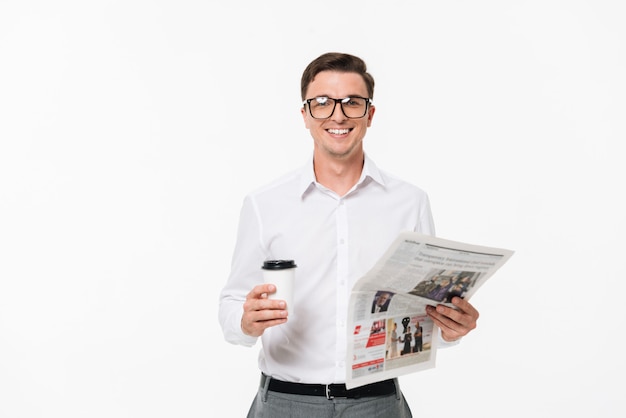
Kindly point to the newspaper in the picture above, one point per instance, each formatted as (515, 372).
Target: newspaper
(391, 334)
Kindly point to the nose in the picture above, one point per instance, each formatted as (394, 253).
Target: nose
(337, 114)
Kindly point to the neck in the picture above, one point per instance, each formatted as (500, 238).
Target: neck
(339, 175)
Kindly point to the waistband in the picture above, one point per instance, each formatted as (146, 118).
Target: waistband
(333, 390)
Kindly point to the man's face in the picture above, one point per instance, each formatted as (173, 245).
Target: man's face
(382, 298)
(337, 137)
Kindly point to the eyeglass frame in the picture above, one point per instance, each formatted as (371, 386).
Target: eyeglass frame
(368, 103)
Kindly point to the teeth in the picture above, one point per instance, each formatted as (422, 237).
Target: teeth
(339, 131)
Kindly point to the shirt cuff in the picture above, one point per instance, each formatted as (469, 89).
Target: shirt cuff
(236, 335)
(445, 344)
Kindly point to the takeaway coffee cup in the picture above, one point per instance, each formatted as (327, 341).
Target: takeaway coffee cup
(282, 274)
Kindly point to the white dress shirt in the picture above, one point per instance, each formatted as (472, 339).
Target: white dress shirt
(334, 240)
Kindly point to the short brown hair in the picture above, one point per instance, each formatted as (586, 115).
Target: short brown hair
(336, 61)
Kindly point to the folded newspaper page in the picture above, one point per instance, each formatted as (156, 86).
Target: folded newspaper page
(390, 333)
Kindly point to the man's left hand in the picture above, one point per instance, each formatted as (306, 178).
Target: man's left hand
(454, 323)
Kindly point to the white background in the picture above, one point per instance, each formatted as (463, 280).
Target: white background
(131, 130)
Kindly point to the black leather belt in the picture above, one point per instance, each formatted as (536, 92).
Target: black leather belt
(334, 390)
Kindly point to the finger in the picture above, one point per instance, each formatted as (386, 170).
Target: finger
(452, 322)
(448, 333)
(265, 315)
(467, 320)
(465, 306)
(465, 314)
(450, 330)
(261, 291)
(262, 305)
(254, 321)
(446, 317)
(444, 312)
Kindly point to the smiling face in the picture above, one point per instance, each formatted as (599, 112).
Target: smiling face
(337, 138)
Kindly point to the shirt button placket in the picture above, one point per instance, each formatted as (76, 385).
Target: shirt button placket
(343, 295)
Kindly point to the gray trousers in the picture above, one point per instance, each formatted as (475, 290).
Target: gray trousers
(268, 404)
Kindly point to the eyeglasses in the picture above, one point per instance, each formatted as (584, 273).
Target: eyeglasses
(323, 107)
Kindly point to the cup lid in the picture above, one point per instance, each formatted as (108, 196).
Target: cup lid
(278, 264)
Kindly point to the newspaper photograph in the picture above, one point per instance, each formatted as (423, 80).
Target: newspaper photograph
(390, 332)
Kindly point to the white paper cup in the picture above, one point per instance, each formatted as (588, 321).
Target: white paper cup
(282, 274)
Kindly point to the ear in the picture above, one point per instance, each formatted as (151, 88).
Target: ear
(304, 117)
(370, 115)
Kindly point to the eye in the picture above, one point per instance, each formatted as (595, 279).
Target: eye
(321, 101)
(353, 101)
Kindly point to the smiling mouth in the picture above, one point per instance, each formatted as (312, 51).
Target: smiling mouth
(338, 131)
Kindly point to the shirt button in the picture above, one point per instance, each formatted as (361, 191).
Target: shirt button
(342, 241)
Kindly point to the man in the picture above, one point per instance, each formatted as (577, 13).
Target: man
(417, 337)
(381, 302)
(335, 217)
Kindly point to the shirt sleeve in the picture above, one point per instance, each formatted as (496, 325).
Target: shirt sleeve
(426, 223)
(245, 274)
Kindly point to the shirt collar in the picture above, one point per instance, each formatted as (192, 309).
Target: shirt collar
(370, 171)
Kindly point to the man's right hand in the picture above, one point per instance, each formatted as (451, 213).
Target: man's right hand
(260, 313)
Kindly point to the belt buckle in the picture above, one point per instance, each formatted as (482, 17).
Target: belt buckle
(328, 395)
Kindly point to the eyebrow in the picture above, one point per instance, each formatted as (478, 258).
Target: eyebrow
(343, 97)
